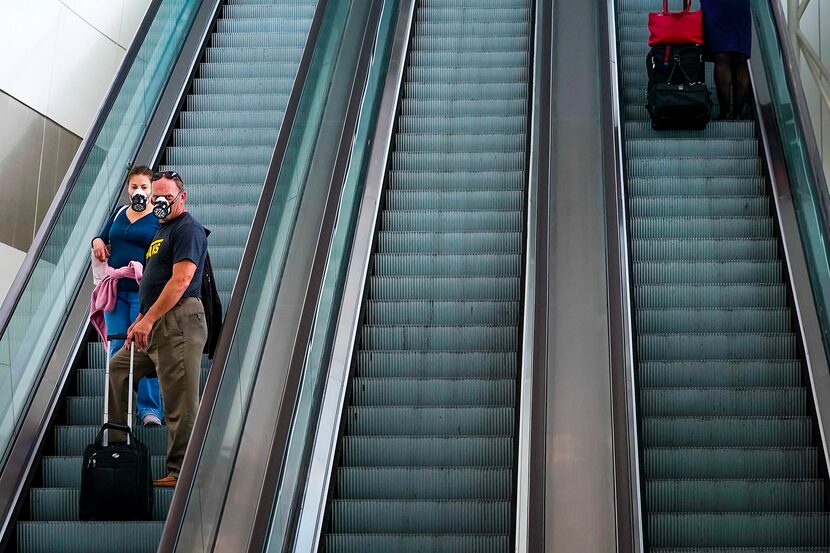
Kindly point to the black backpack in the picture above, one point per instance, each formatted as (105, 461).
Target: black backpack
(677, 96)
(212, 305)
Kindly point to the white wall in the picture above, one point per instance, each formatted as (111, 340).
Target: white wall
(60, 56)
(816, 27)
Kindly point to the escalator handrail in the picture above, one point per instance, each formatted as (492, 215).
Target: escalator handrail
(315, 495)
(45, 229)
(627, 481)
(193, 456)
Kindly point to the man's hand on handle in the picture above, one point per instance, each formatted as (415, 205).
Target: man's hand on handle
(140, 333)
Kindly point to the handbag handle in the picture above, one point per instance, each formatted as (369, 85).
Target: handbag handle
(687, 7)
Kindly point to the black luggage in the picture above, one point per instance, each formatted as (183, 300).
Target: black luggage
(115, 479)
(677, 96)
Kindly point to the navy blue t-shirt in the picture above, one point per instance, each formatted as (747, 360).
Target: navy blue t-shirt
(181, 239)
(129, 242)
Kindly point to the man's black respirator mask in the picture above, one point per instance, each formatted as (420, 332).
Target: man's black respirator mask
(162, 208)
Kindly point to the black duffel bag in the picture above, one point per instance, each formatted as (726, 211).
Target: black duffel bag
(677, 96)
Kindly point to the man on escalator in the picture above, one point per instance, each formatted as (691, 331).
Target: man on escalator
(171, 331)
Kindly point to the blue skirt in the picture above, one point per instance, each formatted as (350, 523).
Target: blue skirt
(727, 26)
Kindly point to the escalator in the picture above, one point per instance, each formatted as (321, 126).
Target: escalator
(427, 450)
(731, 449)
(222, 145)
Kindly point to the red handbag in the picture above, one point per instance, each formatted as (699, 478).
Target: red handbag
(667, 27)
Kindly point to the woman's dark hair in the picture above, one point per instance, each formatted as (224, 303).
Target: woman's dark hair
(142, 170)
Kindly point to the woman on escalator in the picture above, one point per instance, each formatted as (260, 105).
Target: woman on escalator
(727, 28)
(122, 245)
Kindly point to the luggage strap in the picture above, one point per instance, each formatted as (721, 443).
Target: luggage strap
(679, 65)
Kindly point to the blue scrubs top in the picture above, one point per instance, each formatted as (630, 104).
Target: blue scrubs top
(129, 242)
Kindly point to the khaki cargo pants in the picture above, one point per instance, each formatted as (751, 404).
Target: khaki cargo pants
(174, 354)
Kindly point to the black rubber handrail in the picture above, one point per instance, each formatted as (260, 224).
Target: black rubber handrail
(35, 252)
(181, 498)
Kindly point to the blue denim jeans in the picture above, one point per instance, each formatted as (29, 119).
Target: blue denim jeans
(125, 312)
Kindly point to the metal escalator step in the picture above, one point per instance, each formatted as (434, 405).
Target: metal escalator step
(740, 374)
(702, 227)
(471, 13)
(62, 503)
(427, 451)
(253, 55)
(461, 142)
(65, 472)
(452, 221)
(72, 440)
(736, 321)
(676, 272)
(419, 364)
(450, 242)
(289, 11)
(228, 137)
(723, 402)
(464, 28)
(704, 249)
(727, 431)
(273, 70)
(463, 108)
(422, 43)
(416, 543)
(480, 60)
(236, 102)
(696, 186)
(716, 346)
(243, 85)
(739, 529)
(714, 130)
(731, 462)
(440, 338)
(88, 537)
(441, 312)
(263, 25)
(724, 496)
(678, 206)
(259, 39)
(708, 147)
(433, 392)
(213, 175)
(493, 124)
(446, 288)
(390, 516)
(244, 119)
(466, 200)
(690, 166)
(415, 483)
(222, 155)
(473, 3)
(496, 265)
(468, 180)
(710, 295)
(429, 421)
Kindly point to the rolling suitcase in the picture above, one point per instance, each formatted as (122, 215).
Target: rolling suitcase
(115, 479)
(677, 95)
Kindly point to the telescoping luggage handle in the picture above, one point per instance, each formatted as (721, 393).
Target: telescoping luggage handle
(687, 7)
(107, 424)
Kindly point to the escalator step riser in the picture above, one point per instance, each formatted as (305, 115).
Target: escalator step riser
(652, 321)
(248, 119)
(462, 74)
(471, 28)
(450, 242)
(61, 504)
(696, 186)
(472, 13)
(259, 155)
(250, 85)
(469, 92)
(738, 529)
(711, 296)
(704, 249)
(215, 176)
(289, 56)
(692, 147)
(72, 440)
(441, 451)
(424, 483)
(472, 3)
(496, 265)
(506, 124)
(654, 347)
(727, 432)
(731, 462)
(429, 338)
(259, 39)
(65, 472)
(508, 200)
(734, 496)
(703, 207)
(738, 166)
(263, 25)
(441, 312)
(227, 137)
(469, 142)
(702, 227)
(452, 221)
(484, 180)
(452, 289)
(291, 12)
(407, 517)
(429, 421)
(740, 374)
(215, 216)
(237, 102)
(729, 402)
(247, 70)
(416, 364)
(462, 108)
(410, 543)
(381, 392)
(89, 537)
(676, 272)
(423, 43)
(643, 6)
(482, 60)
(714, 130)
